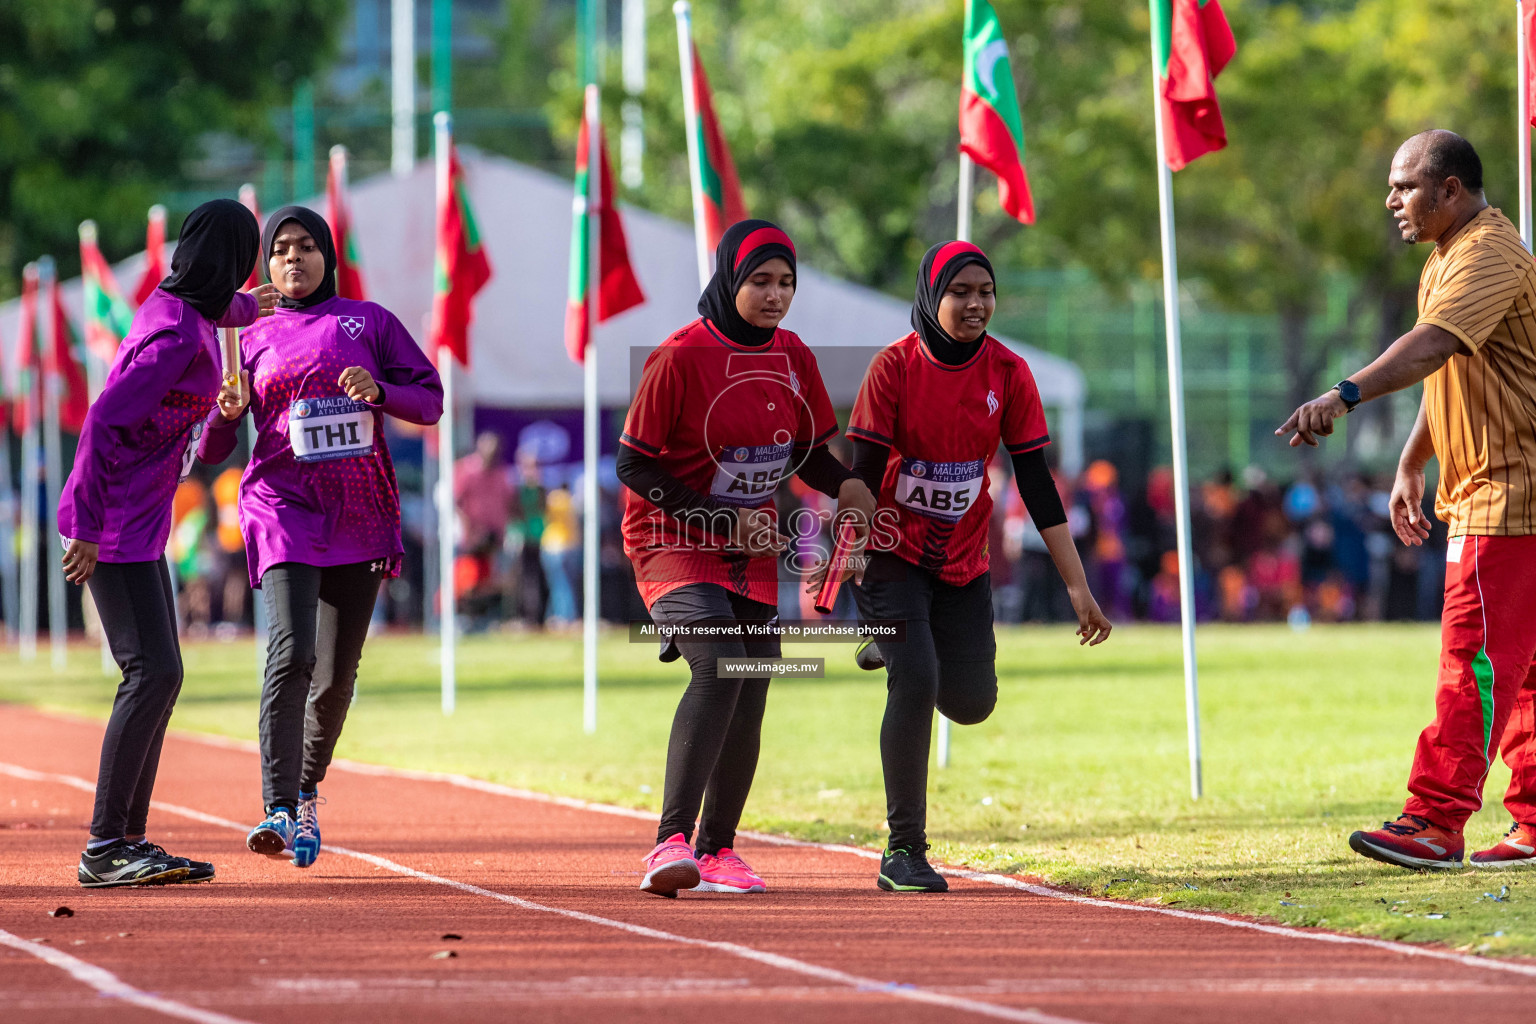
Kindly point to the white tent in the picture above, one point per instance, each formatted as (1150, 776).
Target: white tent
(518, 357)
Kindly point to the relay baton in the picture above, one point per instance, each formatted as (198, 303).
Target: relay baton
(229, 346)
(826, 597)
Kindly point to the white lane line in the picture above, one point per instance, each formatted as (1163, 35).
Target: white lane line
(110, 985)
(1006, 881)
(894, 989)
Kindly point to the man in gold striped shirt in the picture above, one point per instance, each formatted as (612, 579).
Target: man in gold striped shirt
(1474, 347)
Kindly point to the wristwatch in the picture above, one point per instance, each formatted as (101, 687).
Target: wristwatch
(1349, 391)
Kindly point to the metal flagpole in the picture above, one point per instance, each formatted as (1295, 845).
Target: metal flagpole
(964, 206)
(9, 586)
(27, 603)
(95, 379)
(632, 145)
(446, 520)
(53, 458)
(1176, 417)
(402, 66)
(591, 492)
(683, 11)
(1523, 91)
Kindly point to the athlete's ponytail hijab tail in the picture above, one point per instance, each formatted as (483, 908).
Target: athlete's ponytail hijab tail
(939, 267)
(745, 246)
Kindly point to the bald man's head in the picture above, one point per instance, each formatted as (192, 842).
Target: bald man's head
(1436, 185)
(1444, 154)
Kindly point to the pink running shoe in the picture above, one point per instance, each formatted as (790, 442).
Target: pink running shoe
(726, 872)
(670, 867)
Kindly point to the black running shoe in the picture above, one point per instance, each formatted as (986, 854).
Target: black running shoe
(125, 863)
(198, 870)
(868, 656)
(907, 870)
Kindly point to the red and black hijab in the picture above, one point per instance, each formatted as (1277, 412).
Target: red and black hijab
(743, 248)
(939, 267)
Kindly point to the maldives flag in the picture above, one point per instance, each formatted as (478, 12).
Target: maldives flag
(1191, 42)
(154, 256)
(248, 200)
(618, 289)
(991, 129)
(723, 204)
(25, 409)
(462, 265)
(64, 361)
(338, 210)
(107, 316)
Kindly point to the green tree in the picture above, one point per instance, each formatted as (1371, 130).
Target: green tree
(104, 102)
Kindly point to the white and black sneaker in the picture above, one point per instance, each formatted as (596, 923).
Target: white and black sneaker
(125, 863)
(906, 869)
(198, 870)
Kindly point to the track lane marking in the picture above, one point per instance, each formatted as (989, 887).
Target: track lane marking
(987, 877)
(110, 985)
(895, 990)
(990, 878)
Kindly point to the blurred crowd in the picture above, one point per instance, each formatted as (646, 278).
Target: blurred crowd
(1306, 550)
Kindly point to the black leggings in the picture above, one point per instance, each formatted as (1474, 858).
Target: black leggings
(137, 607)
(712, 754)
(317, 621)
(948, 661)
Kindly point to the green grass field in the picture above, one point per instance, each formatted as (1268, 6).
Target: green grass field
(1080, 776)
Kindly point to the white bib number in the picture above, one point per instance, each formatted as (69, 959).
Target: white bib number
(940, 490)
(748, 474)
(190, 454)
(329, 428)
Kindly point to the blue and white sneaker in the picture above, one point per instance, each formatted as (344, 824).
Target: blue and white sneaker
(274, 836)
(306, 841)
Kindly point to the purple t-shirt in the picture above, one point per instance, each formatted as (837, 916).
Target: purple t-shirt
(320, 487)
(137, 440)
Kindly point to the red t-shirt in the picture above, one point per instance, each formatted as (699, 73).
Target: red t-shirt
(731, 422)
(943, 425)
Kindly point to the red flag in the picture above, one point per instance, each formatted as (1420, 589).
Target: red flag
(154, 256)
(248, 200)
(63, 360)
(107, 316)
(618, 288)
(991, 125)
(723, 204)
(1193, 42)
(25, 408)
(462, 265)
(338, 210)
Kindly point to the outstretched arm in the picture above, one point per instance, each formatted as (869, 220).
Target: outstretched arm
(1407, 361)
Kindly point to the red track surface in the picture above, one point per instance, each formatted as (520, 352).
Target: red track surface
(554, 929)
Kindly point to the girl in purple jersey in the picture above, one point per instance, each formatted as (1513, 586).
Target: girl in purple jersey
(115, 513)
(319, 506)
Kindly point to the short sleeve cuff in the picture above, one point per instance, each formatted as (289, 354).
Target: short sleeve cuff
(1446, 325)
(864, 434)
(821, 439)
(639, 445)
(1029, 446)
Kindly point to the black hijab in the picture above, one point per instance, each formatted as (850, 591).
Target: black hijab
(214, 255)
(744, 247)
(321, 232)
(939, 267)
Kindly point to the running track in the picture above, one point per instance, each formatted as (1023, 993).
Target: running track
(543, 893)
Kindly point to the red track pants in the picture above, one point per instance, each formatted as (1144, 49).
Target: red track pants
(1487, 688)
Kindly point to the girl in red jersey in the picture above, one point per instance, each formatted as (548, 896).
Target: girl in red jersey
(930, 415)
(727, 408)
